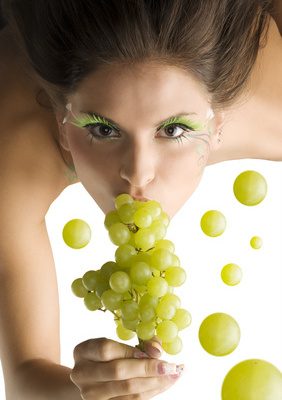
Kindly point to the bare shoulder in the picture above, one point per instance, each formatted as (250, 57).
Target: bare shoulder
(31, 161)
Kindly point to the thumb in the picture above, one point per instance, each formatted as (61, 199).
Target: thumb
(152, 347)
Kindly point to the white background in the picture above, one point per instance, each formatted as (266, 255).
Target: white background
(256, 303)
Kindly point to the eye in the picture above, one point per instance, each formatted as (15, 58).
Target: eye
(170, 130)
(100, 131)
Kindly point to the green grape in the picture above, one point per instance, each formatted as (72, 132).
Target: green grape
(102, 286)
(157, 286)
(126, 213)
(142, 218)
(165, 309)
(175, 276)
(165, 244)
(144, 239)
(138, 204)
(124, 255)
(219, 334)
(119, 234)
(250, 188)
(111, 300)
(256, 242)
(91, 279)
(167, 331)
(252, 379)
(158, 229)
(123, 198)
(175, 261)
(132, 240)
(174, 347)
(141, 289)
(182, 318)
(123, 333)
(130, 324)
(108, 269)
(154, 208)
(140, 273)
(143, 256)
(164, 218)
(231, 274)
(78, 288)
(213, 223)
(76, 233)
(147, 312)
(129, 310)
(173, 299)
(111, 218)
(145, 330)
(92, 301)
(155, 272)
(120, 282)
(148, 300)
(161, 259)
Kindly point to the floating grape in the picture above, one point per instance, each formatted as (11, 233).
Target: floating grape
(213, 223)
(231, 274)
(250, 188)
(219, 334)
(252, 379)
(76, 233)
(256, 242)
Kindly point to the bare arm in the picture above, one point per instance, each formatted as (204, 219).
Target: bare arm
(30, 180)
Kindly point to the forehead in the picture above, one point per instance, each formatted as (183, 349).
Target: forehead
(143, 87)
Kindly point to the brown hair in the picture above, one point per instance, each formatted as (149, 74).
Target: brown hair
(215, 40)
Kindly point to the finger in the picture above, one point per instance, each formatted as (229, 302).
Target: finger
(153, 347)
(132, 387)
(117, 370)
(103, 349)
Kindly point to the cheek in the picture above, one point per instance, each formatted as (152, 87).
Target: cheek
(90, 159)
(180, 178)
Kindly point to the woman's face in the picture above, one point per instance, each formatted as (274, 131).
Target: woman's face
(131, 149)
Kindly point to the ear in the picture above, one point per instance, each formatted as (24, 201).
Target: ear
(216, 127)
(60, 115)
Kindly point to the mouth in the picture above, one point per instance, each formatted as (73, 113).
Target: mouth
(140, 198)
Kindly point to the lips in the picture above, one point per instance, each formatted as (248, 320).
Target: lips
(139, 198)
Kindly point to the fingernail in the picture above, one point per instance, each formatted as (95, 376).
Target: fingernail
(179, 370)
(167, 369)
(155, 352)
(140, 354)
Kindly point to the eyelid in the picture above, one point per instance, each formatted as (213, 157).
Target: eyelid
(92, 118)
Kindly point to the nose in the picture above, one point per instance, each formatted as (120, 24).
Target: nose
(138, 164)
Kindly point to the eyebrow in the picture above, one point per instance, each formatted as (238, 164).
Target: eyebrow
(179, 115)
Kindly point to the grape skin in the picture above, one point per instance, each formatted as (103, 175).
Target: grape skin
(135, 287)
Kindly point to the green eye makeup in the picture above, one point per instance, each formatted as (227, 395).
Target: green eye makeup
(88, 119)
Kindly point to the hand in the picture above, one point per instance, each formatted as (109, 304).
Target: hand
(105, 369)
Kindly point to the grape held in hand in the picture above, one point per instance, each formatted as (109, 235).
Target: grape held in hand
(138, 286)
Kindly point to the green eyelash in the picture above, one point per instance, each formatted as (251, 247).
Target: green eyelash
(89, 119)
(194, 126)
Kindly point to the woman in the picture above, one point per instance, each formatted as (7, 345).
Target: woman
(91, 93)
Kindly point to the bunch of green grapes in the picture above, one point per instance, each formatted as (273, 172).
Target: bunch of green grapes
(138, 286)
